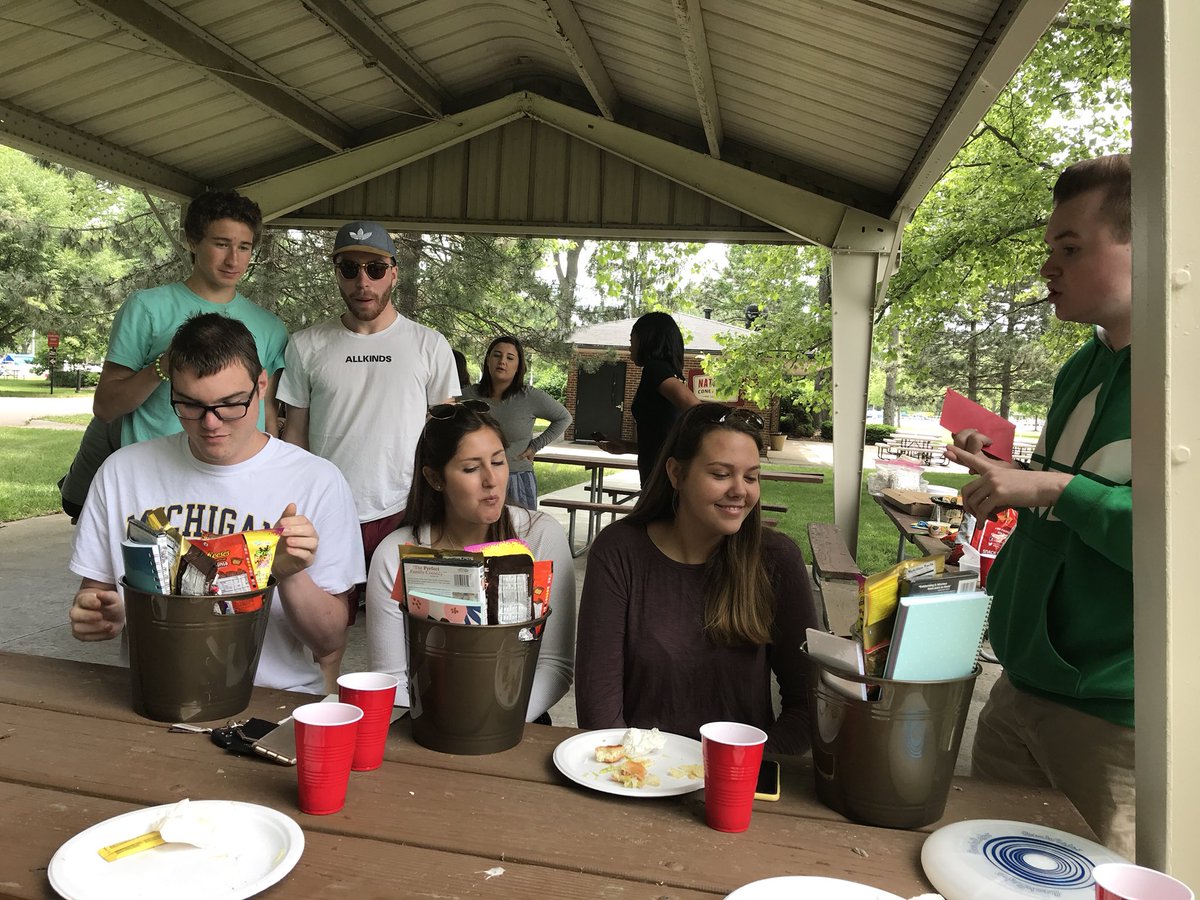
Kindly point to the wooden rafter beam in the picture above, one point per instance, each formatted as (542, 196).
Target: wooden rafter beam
(582, 53)
(156, 23)
(354, 24)
(41, 137)
(695, 50)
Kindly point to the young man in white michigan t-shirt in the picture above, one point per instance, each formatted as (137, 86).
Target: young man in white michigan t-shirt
(223, 475)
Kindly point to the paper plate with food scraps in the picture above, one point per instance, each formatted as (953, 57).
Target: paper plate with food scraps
(632, 762)
(196, 850)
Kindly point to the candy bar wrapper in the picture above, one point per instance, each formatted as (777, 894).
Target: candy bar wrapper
(261, 546)
(235, 574)
(197, 573)
(512, 547)
(508, 585)
(543, 581)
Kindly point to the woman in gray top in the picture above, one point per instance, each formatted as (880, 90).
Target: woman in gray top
(515, 405)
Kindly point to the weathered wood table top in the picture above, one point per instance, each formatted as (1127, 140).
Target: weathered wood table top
(72, 753)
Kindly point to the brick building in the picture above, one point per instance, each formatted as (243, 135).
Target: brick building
(603, 378)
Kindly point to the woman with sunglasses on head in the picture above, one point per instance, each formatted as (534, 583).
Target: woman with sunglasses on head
(655, 344)
(457, 500)
(516, 405)
(689, 605)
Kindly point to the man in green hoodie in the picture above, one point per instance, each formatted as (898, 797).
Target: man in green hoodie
(1062, 613)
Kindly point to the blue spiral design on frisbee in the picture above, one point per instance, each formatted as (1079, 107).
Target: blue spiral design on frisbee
(1014, 855)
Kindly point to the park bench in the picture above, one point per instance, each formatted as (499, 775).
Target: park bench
(836, 575)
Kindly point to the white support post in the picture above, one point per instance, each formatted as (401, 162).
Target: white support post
(1166, 429)
(852, 284)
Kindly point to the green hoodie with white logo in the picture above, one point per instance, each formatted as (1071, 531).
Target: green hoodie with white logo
(1062, 614)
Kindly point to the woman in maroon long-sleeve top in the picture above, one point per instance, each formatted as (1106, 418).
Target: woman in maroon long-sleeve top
(689, 605)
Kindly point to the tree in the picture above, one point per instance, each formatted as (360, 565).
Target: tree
(789, 344)
(964, 303)
(71, 247)
(642, 275)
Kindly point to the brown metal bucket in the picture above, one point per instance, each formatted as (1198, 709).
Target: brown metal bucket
(887, 761)
(470, 684)
(187, 663)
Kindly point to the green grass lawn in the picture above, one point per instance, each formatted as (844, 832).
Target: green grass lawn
(31, 462)
(76, 419)
(877, 536)
(35, 387)
(33, 459)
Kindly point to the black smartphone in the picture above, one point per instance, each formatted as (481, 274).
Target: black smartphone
(767, 787)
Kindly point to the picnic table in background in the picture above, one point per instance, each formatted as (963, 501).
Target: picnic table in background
(925, 448)
(76, 755)
(622, 493)
(929, 546)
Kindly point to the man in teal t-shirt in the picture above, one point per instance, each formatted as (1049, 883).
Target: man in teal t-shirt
(222, 229)
(1062, 586)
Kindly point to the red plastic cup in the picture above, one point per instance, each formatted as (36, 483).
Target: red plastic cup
(1125, 881)
(325, 737)
(732, 754)
(375, 694)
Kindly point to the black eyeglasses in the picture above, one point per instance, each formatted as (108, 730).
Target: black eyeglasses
(226, 412)
(450, 410)
(718, 414)
(376, 269)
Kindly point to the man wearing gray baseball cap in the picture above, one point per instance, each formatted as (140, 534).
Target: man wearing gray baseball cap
(356, 387)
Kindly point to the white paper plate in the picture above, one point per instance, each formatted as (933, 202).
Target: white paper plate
(263, 845)
(576, 758)
(790, 887)
(992, 859)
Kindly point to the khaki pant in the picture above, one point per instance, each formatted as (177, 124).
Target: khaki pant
(1027, 739)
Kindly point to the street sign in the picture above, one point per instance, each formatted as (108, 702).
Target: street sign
(52, 356)
(52, 340)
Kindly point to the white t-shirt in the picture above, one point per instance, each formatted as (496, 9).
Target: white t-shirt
(202, 498)
(387, 638)
(366, 396)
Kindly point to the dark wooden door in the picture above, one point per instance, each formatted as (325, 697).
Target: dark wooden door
(599, 404)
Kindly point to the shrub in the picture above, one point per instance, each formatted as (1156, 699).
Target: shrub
(70, 379)
(551, 380)
(877, 433)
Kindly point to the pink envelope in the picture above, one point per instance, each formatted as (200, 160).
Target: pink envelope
(958, 413)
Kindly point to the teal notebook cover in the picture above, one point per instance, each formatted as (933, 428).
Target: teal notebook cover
(937, 636)
(141, 570)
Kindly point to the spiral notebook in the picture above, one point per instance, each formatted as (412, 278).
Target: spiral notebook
(937, 636)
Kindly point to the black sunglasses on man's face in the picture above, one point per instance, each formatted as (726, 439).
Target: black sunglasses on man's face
(375, 269)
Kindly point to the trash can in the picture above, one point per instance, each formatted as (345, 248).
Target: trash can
(193, 658)
(886, 761)
(470, 684)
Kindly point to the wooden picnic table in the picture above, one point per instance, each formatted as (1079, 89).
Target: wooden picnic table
(926, 448)
(595, 461)
(929, 546)
(73, 754)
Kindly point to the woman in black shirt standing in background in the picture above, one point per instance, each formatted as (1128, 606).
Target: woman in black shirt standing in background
(655, 344)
